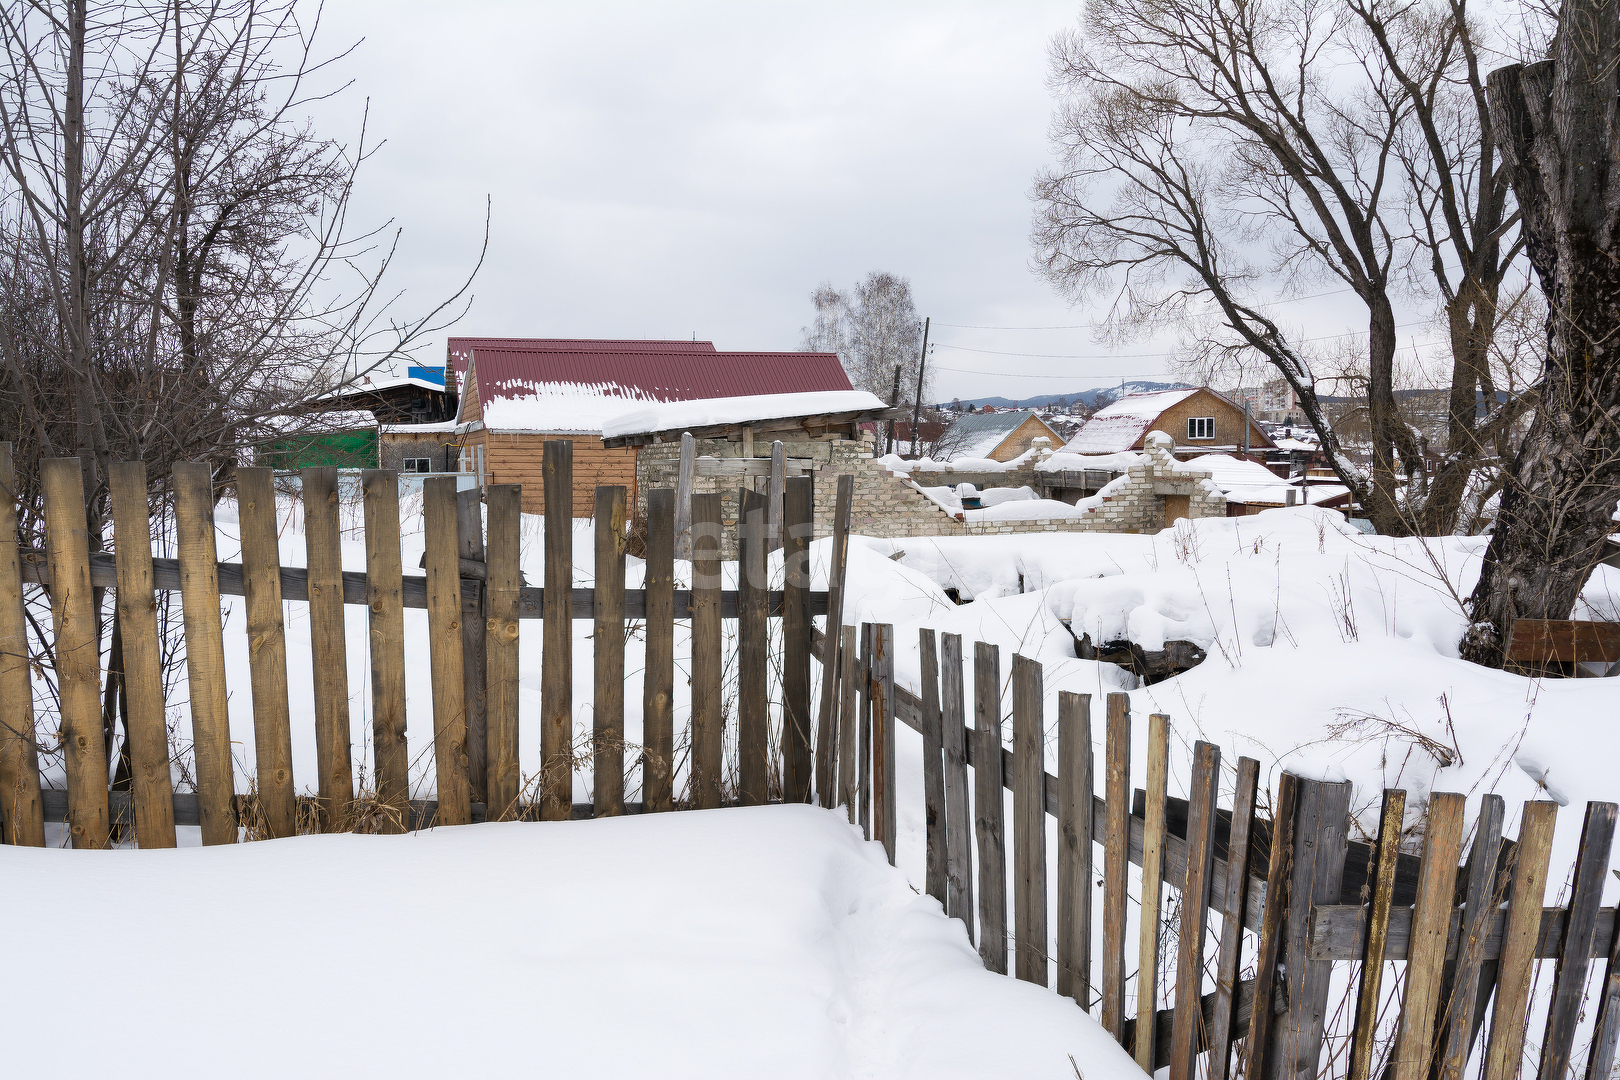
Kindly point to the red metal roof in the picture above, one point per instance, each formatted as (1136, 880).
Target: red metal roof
(459, 347)
(660, 376)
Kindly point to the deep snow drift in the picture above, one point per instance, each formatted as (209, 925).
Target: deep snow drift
(730, 943)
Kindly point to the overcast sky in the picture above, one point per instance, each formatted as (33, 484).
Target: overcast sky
(672, 170)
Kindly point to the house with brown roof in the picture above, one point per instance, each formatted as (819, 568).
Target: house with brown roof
(988, 436)
(518, 394)
(1198, 419)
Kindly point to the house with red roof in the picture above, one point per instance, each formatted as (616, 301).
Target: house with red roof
(516, 394)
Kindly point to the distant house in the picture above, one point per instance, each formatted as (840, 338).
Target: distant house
(518, 394)
(997, 436)
(1199, 420)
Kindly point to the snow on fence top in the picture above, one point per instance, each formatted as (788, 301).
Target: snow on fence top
(708, 412)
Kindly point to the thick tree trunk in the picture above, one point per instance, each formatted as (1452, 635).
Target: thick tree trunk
(1555, 123)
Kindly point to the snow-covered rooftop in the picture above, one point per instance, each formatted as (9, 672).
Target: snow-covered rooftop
(1117, 427)
(561, 408)
(644, 419)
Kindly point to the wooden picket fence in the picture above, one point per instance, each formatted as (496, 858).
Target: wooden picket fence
(1308, 896)
(1293, 896)
(475, 601)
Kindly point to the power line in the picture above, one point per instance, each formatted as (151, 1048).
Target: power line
(1135, 356)
(1071, 375)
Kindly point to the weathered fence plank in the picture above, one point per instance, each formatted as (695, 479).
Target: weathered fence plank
(1606, 1027)
(753, 654)
(474, 641)
(864, 752)
(1390, 823)
(1075, 788)
(938, 849)
(1195, 910)
(503, 773)
(708, 721)
(683, 496)
(1029, 820)
(988, 807)
(1420, 1000)
(385, 619)
(1153, 835)
(143, 666)
(328, 644)
(794, 506)
(835, 601)
(205, 650)
(444, 650)
(1116, 861)
(776, 497)
(658, 675)
(1576, 947)
(850, 688)
(21, 807)
(267, 653)
(1221, 1025)
(1457, 1030)
(958, 824)
(78, 659)
(557, 656)
(1531, 858)
(1269, 945)
(884, 809)
(607, 654)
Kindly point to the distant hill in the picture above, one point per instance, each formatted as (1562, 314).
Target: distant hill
(1088, 396)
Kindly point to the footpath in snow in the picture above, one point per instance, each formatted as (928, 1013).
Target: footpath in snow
(768, 941)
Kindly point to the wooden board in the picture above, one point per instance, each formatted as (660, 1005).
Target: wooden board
(557, 657)
(1074, 847)
(504, 772)
(753, 653)
(849, 724)
(1268, 947)
(885, 804)
(21, 810)
(796, 508)
(864, 768)
(988, 807)
(1569, 640)
(444, 650)
(474, 642)
(958, 816)
(1391, 821)
(708, 719)
(267, 654)
(658, 676)
(1420, 999)
(1504, 1053)
(205, 650)
(328, 647)
(835, 595)
(1576, 945)
(1152, 899)
(1029, 820)
(145, 721)
(1116, 860)
(1184, 1041)
(1222, 1024)
(607, 655)
(77, 642)
(936, 838)
(385, 621)
(1483, 900)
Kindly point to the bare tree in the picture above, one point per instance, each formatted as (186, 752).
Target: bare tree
(1556, 123)
(1214, 155)
(874, 329)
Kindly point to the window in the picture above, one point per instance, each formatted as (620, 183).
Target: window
(1201, 427)
(418, 464)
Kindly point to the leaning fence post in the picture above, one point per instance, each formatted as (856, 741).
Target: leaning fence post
(444, 650)
(1426, 948)
(798, 510)
(958, 819)
(1147, 944)
(884, 818)
(1195, 893)
(1320, 844)
(20, 801)
(933, 769)
(474, 641)
(557, 632)
(835, 615)
(1580, 934)
(1531, 858)
(1116, 861)
(1029, 820)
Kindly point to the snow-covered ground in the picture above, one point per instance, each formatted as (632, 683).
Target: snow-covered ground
(731, 943)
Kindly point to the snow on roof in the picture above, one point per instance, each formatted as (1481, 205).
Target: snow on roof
(372, 385)
(708, 412)
(560, 408)
(1117, 427)
(975, 435)
(441, 427)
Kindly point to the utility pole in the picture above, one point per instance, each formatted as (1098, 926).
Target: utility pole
(894, 399)
(916, 412)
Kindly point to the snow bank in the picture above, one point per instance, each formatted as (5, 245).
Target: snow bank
(706, 412)
(1063, 461)
(743, 942)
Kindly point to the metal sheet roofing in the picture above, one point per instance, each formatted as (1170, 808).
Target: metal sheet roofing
(461, 347)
